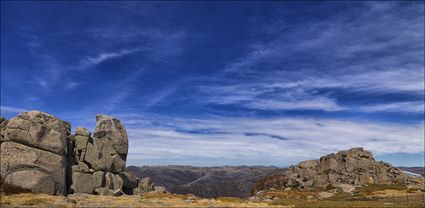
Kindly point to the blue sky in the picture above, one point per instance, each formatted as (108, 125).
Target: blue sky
(225, 83)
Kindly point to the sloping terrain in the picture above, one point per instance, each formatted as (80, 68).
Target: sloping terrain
(235, 181)
(370, 197)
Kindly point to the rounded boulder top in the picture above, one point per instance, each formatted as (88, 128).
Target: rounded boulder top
(40, 130)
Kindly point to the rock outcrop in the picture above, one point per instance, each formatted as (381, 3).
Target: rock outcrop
(343, 170)
(39, 154)
(99, 161)
(34, 152)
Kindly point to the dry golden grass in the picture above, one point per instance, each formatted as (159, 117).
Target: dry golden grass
(373, 196)
(26, 199)
(370, 197)
(230, 199)
(347, 204)
(149, 200)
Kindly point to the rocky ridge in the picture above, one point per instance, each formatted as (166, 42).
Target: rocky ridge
(344, 170)
(40, 155)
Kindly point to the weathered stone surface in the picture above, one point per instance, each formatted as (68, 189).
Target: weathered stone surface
(344, 170)
(98, 178)
(346, 188)
(82, 132)
(355, 166)
(80, 167)
(324, 195)
(81, 142)
(39, 154)
(102, 156)
(104, 191)
(130, 180)
(34, 180)
(1, 120)
(117, 164)
(109, 180)
(108, 127)
(308, 164)
(3, 123)
(160, 189)
(18, 157)
(118, 182)
(82, 182)
(93, 158)
(145, 185)
(117, 192)
(39, 130)
(108, 192)
(113, 181)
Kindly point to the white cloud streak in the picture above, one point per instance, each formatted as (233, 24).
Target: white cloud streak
(10, 109)
(339, 42)
(228, 139)
(92, 61)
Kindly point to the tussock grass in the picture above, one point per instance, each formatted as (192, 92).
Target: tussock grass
(377, 187)
(230, 199)
(148, 200)
(369, 196)
(27, 199)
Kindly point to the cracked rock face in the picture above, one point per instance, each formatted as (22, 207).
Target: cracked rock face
(34, 152)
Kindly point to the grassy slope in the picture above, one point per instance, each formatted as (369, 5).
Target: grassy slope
(372, 196)
(149, 200)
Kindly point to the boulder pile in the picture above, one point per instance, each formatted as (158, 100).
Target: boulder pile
(342, 170)
(39, 154)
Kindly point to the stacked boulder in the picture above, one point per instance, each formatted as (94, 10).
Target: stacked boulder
(343, 170)
(34, 153)
(99, 160)
(40, 155)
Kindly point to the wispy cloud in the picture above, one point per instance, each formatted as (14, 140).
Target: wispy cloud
(120, 91)
(361, 63)
(292, 91)
(155, 98)
(320, 103)
(416, 106)
(33, 41)
(43, 83)
(351, 55)
(71, 85)
(10, 109)
(287, 139)
(92, 61)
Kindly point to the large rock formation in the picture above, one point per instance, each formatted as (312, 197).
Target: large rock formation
(99, 161)
(343, 170)
(34, 152)
(39, 154)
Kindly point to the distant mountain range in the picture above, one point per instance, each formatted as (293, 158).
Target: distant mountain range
(236, 181)
(416, 170)
(209, 182)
